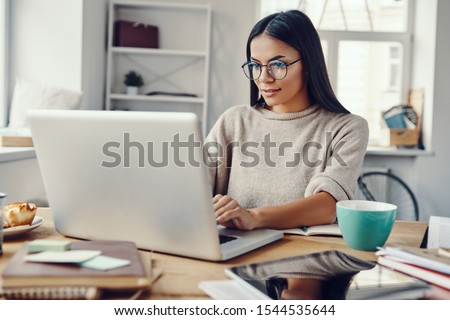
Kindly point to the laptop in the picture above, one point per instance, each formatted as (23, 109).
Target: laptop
(136, 176)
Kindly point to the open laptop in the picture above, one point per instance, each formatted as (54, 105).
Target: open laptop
(136, 176)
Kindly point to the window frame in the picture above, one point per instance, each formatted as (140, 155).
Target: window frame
(393, 63)
(404, 38)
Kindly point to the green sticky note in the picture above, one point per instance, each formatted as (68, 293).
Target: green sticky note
(48, 245)
(105, 263)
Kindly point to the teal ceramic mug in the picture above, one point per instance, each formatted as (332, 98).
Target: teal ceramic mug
(365, 225)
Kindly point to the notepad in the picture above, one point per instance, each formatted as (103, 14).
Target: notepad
(22, 274)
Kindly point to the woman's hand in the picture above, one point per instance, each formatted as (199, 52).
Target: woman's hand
(229, 213)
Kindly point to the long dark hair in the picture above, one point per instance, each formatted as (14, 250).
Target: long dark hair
(296, 30)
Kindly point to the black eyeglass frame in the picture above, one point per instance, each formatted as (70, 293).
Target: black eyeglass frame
(268, 69)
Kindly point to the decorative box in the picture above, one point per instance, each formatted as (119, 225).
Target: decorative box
(404, 137)
(410, 137)
(135, 34)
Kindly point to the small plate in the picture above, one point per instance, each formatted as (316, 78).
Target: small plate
(19, 230)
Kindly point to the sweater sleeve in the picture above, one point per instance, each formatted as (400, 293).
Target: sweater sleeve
(218, 157)
(344, 161)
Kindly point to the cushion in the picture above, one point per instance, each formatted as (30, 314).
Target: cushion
(28, 95)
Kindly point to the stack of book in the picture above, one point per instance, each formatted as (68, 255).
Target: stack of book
(400, 117)
(118, 269)
(15, 137)
(430, 265)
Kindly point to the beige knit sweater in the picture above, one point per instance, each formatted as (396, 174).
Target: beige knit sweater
(271, 159)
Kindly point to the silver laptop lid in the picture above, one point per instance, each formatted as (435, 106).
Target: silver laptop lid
(137, 176)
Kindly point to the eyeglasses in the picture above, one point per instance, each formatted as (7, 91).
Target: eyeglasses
(276, 68)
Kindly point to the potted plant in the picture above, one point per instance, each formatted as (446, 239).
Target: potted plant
(133, 81)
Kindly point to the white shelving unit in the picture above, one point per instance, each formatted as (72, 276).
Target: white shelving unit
(179, 65)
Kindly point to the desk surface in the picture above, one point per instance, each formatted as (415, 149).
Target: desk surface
(181, 276)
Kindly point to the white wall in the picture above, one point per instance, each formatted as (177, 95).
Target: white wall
(47, 41)
(424, 47)
(61, 43)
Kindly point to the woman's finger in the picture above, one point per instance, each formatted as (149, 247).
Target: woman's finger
(226, 207)
(223, 201)
(229, 215)
(216, 198)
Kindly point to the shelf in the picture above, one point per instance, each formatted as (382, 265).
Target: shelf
(161, 98)
(164, 52)
(396, 152)
(8, 154)
(144, 4)
(184, 32)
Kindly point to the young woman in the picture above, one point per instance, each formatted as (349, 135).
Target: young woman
(284, 161)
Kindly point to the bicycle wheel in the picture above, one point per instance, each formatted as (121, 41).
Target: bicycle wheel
(387, 187)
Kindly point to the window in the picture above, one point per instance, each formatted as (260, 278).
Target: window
(3, 55)
(394, 67)
(367, 44)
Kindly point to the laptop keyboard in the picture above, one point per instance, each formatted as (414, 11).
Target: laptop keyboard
(225, 239)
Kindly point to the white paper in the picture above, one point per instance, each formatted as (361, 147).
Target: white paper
(225, 290)
(438, 232)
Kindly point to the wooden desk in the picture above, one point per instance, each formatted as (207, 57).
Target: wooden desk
(181, 276)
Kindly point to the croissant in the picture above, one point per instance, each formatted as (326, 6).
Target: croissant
(18, 214)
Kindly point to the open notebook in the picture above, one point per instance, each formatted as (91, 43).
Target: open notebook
(319, 230)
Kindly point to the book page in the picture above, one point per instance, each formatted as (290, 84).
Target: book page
(298, 231)
(326, 229)
(439, 232)
(426, 258)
